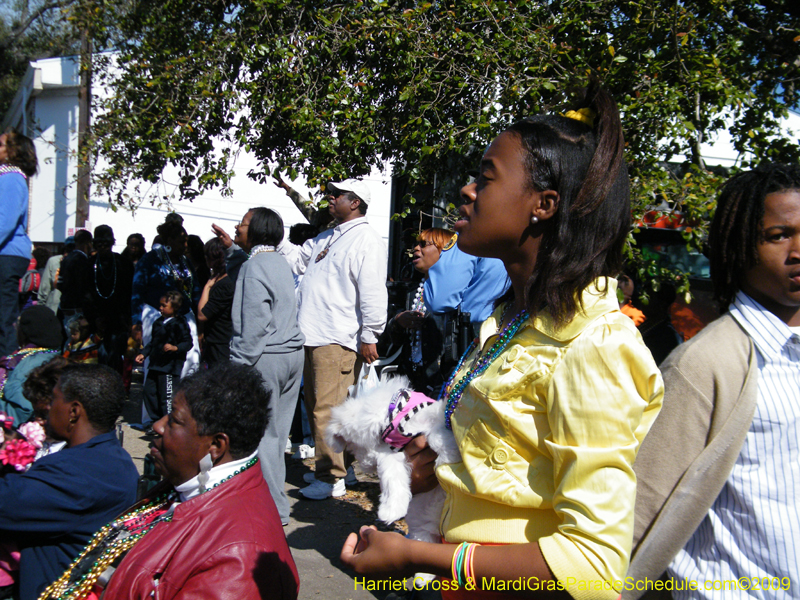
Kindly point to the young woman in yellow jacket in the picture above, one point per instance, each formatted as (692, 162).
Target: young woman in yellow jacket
(552, 402)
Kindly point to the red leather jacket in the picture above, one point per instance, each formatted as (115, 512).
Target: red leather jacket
(225, 544)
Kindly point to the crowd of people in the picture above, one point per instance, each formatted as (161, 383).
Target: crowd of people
(588, 466)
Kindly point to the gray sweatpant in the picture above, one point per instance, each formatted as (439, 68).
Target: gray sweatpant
(282, 375)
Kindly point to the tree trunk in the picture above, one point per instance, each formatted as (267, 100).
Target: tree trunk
(84, 114)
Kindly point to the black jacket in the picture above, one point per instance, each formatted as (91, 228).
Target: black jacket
(173, 331)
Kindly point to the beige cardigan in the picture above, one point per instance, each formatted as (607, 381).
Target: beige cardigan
(711, 392)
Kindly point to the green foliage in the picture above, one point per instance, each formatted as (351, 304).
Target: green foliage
(330, 89)
(692, 195)
(31, 29)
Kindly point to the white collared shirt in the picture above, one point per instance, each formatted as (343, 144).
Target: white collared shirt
(191, 488)
(753, 528)
(342, 298)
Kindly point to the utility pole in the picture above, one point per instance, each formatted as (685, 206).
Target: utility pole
(84, 109)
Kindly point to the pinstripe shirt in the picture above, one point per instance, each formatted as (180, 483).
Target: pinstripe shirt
(752, 531)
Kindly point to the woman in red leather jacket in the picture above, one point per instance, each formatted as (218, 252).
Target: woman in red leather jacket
(211, 530)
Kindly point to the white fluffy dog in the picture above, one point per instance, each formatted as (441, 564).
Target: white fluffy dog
(374, 426)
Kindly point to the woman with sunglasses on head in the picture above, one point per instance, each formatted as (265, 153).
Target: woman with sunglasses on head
(551, 403)
(460, 292)
(420, 334)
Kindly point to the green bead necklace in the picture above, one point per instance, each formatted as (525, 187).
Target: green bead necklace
(451, 391)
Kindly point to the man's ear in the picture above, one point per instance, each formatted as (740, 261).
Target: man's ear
(220, 446)
(546, 205)
(75, 411)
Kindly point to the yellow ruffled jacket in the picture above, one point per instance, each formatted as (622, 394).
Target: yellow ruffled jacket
(548, 436)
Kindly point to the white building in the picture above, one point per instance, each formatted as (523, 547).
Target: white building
(46, 109)
(718, 150)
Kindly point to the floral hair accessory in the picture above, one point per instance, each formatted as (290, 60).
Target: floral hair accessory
(18, 453)
(584, 115)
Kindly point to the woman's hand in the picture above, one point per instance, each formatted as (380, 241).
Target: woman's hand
(409, 319)
(222, 235)
(139, 359)
(375, 552)
(422, 460)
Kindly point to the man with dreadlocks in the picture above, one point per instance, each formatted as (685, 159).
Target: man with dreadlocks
(718, 496)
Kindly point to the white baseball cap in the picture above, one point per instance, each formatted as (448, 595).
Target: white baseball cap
(359, 188)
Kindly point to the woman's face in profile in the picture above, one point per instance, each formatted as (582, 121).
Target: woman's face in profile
(425, 255)
(183, 241)
(240, 238)
(177, 244)
(495, 217)
(179, 448)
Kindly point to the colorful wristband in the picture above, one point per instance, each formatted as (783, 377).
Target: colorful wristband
(458, 562)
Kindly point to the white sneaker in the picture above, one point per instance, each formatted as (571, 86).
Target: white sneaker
(288, 448)
(319, 490)
(349, 480)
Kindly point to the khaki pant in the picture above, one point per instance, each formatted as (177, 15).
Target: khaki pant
(327, 373)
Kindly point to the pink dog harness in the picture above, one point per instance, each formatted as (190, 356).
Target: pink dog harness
(404, 405)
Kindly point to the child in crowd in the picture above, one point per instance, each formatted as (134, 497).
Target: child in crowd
(550, 404)
(83, 345)
(169, 343)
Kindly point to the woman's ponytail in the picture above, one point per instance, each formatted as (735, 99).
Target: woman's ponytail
(604, 168)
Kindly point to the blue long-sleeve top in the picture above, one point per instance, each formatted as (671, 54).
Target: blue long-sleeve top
(459, 279)
(14, 240)
(54, 509)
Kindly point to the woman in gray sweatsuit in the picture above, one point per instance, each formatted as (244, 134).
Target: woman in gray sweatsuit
(266, 335)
